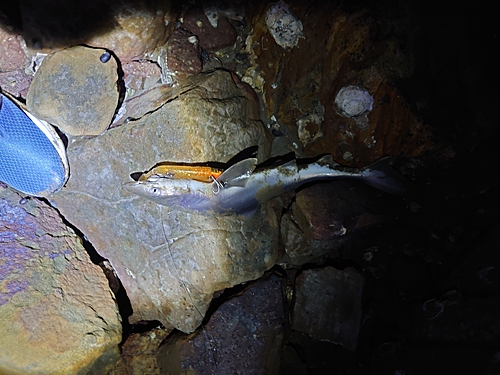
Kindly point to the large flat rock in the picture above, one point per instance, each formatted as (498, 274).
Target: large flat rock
(171, 262)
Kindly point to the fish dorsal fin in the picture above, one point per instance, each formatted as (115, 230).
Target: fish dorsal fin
(239, 173)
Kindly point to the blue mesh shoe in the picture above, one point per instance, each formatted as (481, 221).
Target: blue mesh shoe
(32, 156)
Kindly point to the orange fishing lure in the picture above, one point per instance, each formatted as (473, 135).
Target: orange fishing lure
(178, 171)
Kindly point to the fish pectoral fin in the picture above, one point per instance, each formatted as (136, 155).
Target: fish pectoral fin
(238, 174)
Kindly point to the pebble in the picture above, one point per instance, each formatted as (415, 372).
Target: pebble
(75, 91)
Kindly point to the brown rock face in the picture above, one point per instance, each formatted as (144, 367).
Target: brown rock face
(139, 353)
(211, 37)
(76, 91)
(299, 83)
(57, 313)
(183, 53)
(13, 60)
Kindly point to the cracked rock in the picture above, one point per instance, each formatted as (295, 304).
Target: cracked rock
(169, 262)
(57, 313)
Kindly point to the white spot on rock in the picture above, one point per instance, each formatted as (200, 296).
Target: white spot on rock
(353, 101)
(283, 26)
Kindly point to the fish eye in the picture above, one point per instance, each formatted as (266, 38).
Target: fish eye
(155, 191)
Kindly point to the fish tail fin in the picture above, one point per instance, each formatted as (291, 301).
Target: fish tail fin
(382, 176)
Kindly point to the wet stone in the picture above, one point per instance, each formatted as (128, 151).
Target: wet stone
(330, 211)
(244, 336)
(328, 305)
(300, 249)
(57, 313)
(75, 91)
(335, 43)
(283, 25)
(183, 53)
(139, 29)
(211, 38)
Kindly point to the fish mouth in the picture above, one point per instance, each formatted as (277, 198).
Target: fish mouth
(133, 186)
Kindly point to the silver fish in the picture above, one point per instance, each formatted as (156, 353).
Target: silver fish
(241, 188)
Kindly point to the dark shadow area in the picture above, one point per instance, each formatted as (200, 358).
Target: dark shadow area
(60, 23)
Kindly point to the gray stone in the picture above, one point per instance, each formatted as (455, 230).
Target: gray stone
(170, 262)
(75, 91)
(57, 313)
(328, 305)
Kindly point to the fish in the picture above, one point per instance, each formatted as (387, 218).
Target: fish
(243, 187)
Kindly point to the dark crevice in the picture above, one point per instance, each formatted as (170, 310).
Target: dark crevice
(142, 326)
(123, 302)
(221, 297)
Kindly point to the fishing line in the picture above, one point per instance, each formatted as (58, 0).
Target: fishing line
(205, 334)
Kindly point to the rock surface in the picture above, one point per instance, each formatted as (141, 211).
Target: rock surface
(141, 75)
(139, 353)
(171, 262)
(13, 61)
(328, 305)
(211, 37)
(57, 313)
(326, 215)
(12, 56)
(183, 53)
(16, 82)
(300, 93)
(75, 91)
(244, 336)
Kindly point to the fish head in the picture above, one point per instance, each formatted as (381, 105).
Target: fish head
(183, 193)
(160, 188)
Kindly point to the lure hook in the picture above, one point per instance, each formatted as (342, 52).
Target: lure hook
(216, 186)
